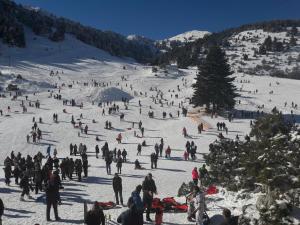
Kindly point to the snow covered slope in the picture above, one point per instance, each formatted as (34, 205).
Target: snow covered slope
(74, 63)
(188, 36)
(247, 43)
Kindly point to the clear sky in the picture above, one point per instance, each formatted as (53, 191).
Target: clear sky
(159, 19)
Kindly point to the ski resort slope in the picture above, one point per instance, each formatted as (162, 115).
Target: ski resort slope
(77, 63)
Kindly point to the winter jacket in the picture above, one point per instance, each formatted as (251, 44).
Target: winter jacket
(137, 200)
(117, 184)
(148, 186)
(195, 175)
(129, 217)
(199, 202)
(94, 217)
(52, 191)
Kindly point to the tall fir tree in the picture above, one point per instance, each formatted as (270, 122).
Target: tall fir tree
(213, 87)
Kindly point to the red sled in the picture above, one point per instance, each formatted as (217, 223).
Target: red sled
(212, 190)
(107, 205)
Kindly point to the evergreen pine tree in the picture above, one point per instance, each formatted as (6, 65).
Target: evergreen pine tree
(213, 87)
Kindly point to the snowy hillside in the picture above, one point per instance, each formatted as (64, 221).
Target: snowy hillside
(41, 56)
(244, 53)
(188, 36)
(57, 73)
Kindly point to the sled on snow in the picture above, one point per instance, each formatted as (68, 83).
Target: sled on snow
(168, 204)
(107, 205)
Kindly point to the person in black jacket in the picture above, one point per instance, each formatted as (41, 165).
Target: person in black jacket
(1, 210)
(52, 197)
(117, 186)
(149, 189)
(95, 216)
(26, 186)
(130, 216)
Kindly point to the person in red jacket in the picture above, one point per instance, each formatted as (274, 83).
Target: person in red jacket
(195, 176)
(119, 138)
(186, 155)
(168, 152)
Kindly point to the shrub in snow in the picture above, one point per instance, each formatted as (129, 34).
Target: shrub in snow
(271, 158)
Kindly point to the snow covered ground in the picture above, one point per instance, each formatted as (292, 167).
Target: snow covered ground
(77, 63)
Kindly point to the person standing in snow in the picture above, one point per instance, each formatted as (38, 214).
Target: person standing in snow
(199, 204)
(117, 186)
(149, 189)
(52, 197)
(195, 176)
(48, 150)
(138, 204)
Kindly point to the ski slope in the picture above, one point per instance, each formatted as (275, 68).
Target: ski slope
(77, 63)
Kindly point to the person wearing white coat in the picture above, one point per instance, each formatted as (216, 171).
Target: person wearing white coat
(199, 204)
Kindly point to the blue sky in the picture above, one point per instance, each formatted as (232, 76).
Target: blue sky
(159, 19)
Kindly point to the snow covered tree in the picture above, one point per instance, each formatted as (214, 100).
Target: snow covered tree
(213, 87)
(271, 159)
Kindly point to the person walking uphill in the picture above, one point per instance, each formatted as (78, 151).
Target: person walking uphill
(149, 189)
(117, 186)
(95, 216)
